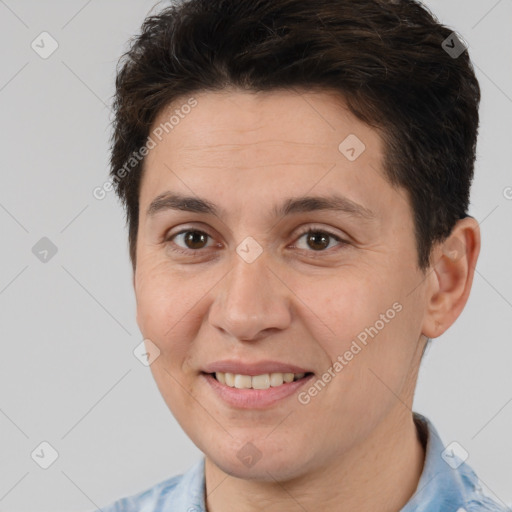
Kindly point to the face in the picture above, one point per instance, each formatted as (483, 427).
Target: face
(236, 282)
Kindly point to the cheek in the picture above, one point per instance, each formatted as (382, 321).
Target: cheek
(165, 302)
(343, 304)
(165, 314)
(361, 316)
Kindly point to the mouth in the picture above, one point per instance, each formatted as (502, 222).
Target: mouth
(262, 381)
(255, 391)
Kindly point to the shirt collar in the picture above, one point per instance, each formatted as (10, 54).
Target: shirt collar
(447, 483)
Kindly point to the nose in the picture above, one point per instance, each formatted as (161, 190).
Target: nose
(251, 302)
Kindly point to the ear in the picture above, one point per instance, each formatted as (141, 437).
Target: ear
(451, 277)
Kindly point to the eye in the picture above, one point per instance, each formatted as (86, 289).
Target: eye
(318, 239)
(193, 240)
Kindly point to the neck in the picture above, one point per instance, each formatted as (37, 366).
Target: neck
(382, 473)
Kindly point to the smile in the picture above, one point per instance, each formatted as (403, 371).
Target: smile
(242, 391)
(263, 381)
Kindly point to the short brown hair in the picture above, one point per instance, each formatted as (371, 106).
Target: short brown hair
(386, 58)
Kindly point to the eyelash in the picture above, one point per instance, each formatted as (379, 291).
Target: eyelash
(308, 230)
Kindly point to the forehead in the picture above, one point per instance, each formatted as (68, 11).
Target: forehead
(234, 121)
(267, 145)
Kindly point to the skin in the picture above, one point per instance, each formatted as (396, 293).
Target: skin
(354, 446)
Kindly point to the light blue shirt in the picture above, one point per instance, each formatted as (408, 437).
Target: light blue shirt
(447, 484)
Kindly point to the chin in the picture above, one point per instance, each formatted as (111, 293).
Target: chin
(266, 468)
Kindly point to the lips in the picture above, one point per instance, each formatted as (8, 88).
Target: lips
(240, 384)
(253, 368)
(251, 398)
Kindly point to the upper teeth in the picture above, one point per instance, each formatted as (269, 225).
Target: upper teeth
(264, 381)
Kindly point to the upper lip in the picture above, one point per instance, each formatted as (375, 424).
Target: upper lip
(255, 368)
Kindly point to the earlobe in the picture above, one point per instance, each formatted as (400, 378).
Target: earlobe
(451, 277)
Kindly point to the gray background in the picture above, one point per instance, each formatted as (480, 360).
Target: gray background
(67, 372)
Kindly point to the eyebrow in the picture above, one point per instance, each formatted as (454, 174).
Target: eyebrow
(292, 205)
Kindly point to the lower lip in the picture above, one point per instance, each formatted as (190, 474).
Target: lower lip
(255, 398)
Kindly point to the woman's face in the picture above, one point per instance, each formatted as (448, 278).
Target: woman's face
(244, 280)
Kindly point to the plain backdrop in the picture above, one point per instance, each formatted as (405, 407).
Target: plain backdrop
(68, 375)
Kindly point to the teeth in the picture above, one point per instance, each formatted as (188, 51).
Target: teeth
(243, 381)
(263, 381)
(260, 381)
(229, 380)
(276, 379)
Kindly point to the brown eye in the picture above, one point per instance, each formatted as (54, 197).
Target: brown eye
(192, 241)
(317, 240)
